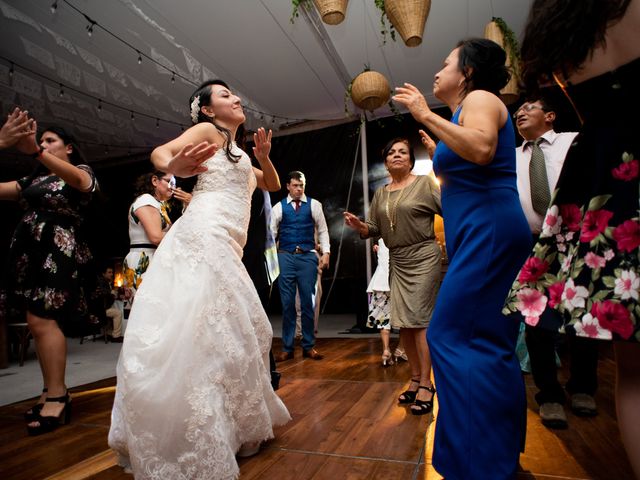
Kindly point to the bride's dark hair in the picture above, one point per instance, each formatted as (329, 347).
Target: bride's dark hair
(203, 93)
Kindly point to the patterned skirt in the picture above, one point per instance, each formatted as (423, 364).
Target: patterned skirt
(379, 310)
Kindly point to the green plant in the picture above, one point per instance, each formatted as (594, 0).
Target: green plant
(383, 23)
(296, 5)
(510, 43)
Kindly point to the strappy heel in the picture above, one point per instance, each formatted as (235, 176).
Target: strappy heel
(49, 424)
(387, 358)
(409, 396)
(31, 414)
(422, 407)
(400, 354)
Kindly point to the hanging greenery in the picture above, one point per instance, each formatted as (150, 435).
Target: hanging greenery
(510, 43)
(296, 6)
(385, 28)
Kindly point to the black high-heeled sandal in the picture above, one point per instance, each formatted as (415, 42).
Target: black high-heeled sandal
(49, 424)
(33, 412)
(423, 406)
(409, 396)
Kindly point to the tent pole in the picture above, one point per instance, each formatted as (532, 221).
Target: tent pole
(365, 187)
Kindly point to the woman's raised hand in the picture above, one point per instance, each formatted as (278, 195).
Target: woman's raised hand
(354, 222)
(428, 143)
(410, 97)
(188, 161)
(17, 127)
(262, 141)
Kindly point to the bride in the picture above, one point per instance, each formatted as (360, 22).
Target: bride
(193, 380)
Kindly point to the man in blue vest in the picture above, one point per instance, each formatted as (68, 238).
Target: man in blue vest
(294, 221)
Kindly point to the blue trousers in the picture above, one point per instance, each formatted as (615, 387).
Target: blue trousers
(299, 272)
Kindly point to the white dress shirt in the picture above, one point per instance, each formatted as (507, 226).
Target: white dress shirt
(317, 215)
(555, 147)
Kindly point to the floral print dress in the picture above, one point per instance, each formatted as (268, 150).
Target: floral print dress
(585, 263)
(48, 256)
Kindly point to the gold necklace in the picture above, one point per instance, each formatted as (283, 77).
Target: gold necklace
(392, 213)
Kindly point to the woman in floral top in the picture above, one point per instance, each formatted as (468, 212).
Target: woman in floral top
(148, 223)
(47, 258)
(585, 263)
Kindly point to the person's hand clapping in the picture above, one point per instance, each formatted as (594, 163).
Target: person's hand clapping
(17, 127)
(188, 161)
(410, 97)
(262, 140)
(428, 143)
(184, 197)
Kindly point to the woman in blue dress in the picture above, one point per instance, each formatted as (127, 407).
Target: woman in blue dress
(482, 419)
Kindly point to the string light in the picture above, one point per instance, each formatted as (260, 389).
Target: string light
(11, 70)
(61, 92)
(173, 77)
(139, 57)
(90, 28)
(132, 116)
(99, 105)
(54, 6)
(157, 123)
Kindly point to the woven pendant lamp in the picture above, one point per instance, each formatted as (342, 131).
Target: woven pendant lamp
(370, 90)
(510, 93)
(408, 18)
(332, 11)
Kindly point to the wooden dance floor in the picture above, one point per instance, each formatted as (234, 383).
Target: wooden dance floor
(346, 425)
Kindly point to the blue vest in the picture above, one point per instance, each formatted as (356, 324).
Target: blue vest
(296, 228)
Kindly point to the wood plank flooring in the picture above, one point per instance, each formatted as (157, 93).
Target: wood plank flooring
(346, 425)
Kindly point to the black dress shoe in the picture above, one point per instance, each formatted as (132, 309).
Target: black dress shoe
(313, 354)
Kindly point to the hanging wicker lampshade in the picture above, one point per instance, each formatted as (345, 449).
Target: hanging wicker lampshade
(370, 90)
(408, 17)
(510, 93)
(332, 11)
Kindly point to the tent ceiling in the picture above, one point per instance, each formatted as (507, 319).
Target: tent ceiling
(285, 72)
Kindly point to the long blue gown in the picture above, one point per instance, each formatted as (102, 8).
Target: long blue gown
(481, 423)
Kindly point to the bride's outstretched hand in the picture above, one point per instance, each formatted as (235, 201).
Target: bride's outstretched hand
(262, 141)
(188, 161)
(410, 97)
(428, 143)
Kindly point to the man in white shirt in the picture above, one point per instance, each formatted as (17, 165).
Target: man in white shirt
(293, 222)
(539, 162)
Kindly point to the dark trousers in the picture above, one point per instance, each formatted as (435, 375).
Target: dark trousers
(583, 366)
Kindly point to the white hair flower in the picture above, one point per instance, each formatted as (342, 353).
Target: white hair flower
(195, 109)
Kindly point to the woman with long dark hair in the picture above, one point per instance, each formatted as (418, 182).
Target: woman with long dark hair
(482, 417)
(194, 386)
(48, 259)
(585, 263)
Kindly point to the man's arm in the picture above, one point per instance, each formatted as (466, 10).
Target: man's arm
(323, 233)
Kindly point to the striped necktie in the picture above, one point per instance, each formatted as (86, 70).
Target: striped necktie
(540, 194)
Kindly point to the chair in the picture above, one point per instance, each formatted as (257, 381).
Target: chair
(20, 336)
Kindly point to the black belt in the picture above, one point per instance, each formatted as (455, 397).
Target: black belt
(297, 251)
(143, 245)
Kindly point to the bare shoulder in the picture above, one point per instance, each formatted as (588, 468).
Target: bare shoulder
(485, 104)
(205, 131)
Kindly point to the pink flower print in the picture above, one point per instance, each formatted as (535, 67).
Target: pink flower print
(574, 296)
(561, 247)
(571, 217)
(627, 235)
(594, 261)
(588, 326)
(627, 285)
(626, 171)
(532, 270)
(569, 236)
(531, 303)
(614, 317)
(555, 293)
(552, 222)
(594, 224)
(608, 254)
(565, 263)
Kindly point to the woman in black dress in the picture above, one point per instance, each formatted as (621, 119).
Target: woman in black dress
(47, 257)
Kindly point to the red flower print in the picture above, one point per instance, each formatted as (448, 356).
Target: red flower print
(594, 224)
(571, 216)
(627, 235)
(532, 270)
(626, 171)
(614, 317)
(555, 293)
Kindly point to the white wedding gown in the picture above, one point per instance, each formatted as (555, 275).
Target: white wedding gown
(193, 374)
